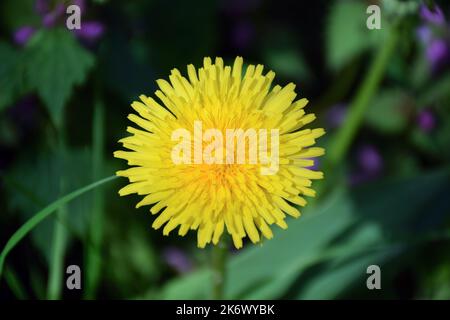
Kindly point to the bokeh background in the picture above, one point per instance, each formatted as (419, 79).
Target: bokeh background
(382, 95)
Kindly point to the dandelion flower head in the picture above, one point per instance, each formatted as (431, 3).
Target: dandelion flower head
(218, 197)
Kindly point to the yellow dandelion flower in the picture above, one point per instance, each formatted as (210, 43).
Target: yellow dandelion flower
(201, 159)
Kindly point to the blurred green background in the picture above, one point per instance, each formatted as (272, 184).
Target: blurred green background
(382, 95)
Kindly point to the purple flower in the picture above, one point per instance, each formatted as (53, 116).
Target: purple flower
(433, 16)
(370, 160)
(51, 18)
(23, 34)
(336, 115)
(437, 52)
(90, 31)
(177, 259)
(426, 121)
(424, 34)
(242, 34)
(370, 165)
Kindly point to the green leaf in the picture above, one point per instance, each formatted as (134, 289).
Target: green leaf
(347, 35)
(388, 111)
(349, 230)
(55, 63)
(339, 273)
(425, 142)
(436, 91)
(11, 82)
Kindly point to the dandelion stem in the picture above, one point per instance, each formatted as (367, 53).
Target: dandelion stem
(364, 95)
(54, 285)
(219, 259)
(93, 261)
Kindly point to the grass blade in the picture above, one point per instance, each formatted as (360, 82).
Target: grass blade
(93, 261)
(44, 213)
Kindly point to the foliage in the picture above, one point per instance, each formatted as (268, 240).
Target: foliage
(334, 244)
(388, 208)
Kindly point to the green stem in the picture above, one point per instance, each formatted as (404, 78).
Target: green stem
(358, 107)
(54, 285)
(59, 240)
(93, 261)
(219, 259)
(44, 213)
